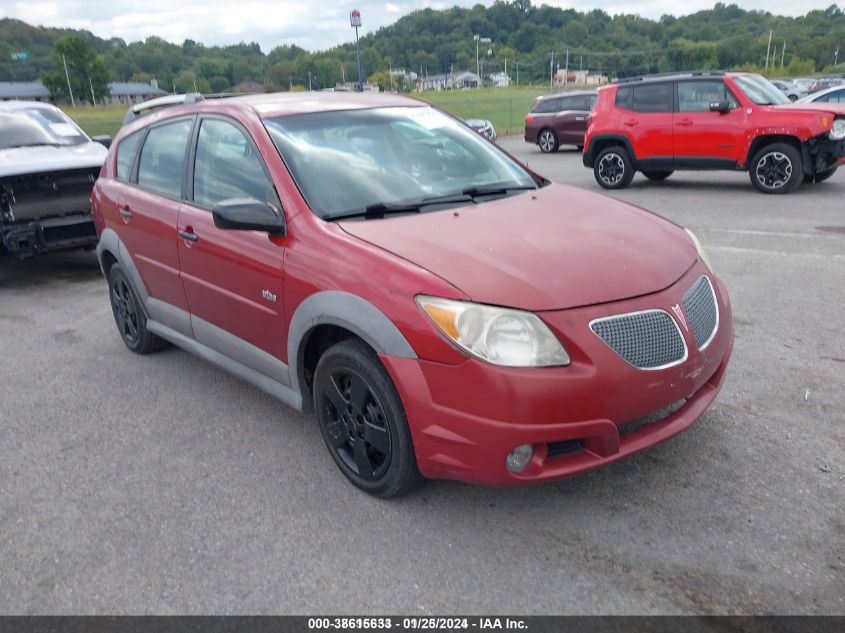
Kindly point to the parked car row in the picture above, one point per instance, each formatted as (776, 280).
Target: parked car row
(697, 121)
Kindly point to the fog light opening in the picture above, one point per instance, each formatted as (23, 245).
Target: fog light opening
(518, 458)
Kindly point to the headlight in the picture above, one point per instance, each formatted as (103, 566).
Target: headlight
(512, 338)
(701, 252)
(837, 132)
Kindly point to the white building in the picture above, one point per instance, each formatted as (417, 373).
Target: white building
(500, 80)
(449, 81)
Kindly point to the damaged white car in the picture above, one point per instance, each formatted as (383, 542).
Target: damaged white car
(48, 166)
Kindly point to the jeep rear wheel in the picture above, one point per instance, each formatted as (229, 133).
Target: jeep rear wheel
(613, 168)
(363, 421)
(547, 140)
(776, 169)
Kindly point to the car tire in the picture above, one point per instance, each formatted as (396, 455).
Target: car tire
(820, 176)
(363, 422)
(613, 168)
(776, 169)
(129, 315)
(658, 175)
(547, 141)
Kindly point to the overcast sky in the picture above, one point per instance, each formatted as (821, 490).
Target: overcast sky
(314, 25)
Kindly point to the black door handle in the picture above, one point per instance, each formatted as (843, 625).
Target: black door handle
(191, 237)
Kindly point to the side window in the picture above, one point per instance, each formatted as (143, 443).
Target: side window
(575, 103)
(623, 97)
(652, 98)
(126, 152)
(163, 158)
(696, 96)
(546, 105)
(227, 166)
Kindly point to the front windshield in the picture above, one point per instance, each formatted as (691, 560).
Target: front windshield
(31, 127)
(347, 161)
(760, 90)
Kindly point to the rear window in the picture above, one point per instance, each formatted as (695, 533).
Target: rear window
(652, 98)
(546, 105)
(623, 97)
(126, 152)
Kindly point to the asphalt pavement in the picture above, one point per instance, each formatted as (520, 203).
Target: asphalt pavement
(160, 484)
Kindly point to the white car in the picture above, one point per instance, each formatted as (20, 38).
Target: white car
(48, 166)
(834, 94)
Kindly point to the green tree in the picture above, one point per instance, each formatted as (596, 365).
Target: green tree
(86, 72)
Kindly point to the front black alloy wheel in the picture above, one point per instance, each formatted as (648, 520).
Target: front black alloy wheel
(129, 316)
(362, 420)
(776, 169)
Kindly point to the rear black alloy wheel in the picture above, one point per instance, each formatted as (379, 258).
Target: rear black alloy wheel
(362, 420)
(548, 142)
(776, 169)
(612, 168)
(129, 316)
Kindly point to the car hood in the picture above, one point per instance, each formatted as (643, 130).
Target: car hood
(555, 248)
(31, 160)
(836, 109)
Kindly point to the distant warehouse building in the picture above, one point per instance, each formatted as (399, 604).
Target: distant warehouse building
(24, 91)
(127, 92)
(120, 92)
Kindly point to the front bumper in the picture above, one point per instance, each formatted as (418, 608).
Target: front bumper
(24, 239)
(466, 418)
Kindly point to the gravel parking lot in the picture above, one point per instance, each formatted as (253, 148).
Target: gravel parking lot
(159, 484)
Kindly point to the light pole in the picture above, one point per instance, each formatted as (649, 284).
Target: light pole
(355, 21)
(478, 39)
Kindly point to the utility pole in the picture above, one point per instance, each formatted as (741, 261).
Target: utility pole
(517, 73)
(566, 71)
(552, 71)
(309, 81)
(769, 48)
(355, 20)
(91, 85)
(836, 57)
(69, 89)
(782, 53)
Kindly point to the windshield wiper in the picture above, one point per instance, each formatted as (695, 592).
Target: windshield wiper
(381, 209)
(495, 190)
(34, 145)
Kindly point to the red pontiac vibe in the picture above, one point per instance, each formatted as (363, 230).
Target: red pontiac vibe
(445, 311)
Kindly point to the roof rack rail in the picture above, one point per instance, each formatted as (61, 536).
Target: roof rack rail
(145, 107)
(682, 73)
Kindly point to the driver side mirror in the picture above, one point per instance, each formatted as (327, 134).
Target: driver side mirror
(722, 107)
(248, 214)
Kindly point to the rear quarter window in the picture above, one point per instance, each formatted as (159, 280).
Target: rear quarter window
(623, 97)
(652, 98)
(126, 152)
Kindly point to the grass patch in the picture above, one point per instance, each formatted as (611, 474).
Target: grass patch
(99, 120)
(505, 108)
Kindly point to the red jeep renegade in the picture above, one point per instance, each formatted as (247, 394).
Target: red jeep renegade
(736, 121)
(445, 311)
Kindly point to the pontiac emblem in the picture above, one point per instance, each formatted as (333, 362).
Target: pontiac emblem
(680, 314)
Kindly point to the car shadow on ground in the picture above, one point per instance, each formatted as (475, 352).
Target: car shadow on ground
(72, 267)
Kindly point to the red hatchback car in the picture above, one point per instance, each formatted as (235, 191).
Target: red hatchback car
(444, 310)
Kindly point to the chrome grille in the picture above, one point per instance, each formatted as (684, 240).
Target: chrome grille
(702, 311)
(647, 340)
